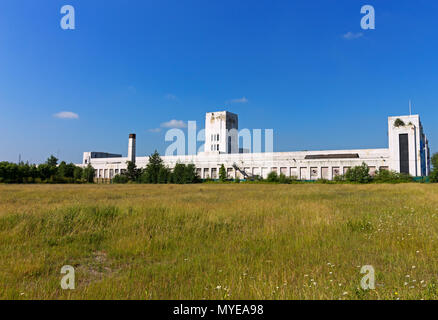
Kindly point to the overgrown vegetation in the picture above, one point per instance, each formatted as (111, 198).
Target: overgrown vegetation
(399, 123)
(222, 174)
(361, 174)
(434, 173)
(48, 172)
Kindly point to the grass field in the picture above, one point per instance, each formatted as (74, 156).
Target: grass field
(213, 241)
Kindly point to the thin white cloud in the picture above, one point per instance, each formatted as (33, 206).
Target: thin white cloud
(66, 115)
(170, 96)
(351, 35)
(155, 130)
(240, 100)
(174, 124)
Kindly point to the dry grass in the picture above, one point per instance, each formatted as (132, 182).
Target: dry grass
(219, 241)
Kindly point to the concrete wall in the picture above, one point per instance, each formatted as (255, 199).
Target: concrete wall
(289, 163)
(221, 132)
(418, 145)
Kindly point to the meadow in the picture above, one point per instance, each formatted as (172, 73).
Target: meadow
(219, 241)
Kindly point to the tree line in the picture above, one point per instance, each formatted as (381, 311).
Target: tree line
(157, 172)
(48, 172)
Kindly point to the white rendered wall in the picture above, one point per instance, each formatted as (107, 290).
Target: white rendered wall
(289, 163)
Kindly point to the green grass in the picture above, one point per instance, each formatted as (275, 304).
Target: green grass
(213, 241)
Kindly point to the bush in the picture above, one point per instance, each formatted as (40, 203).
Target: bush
(386, 176)
(359, 174)
(272, 177)
(283, 179)
(120, 178)
(222, 174)
(434, 172)
(399, 123)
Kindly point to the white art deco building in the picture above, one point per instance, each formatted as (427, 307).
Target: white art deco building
(407, 152)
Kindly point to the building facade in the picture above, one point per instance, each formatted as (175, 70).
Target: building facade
(408, 152)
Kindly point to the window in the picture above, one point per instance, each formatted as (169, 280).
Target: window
(404, 153)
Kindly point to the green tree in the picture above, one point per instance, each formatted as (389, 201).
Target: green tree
(434, 172)
(164, 175)
(77, 174)
(132, 172)
(52, 161)
(178, 173)
(222, 174)
(152, 171)
(88, 174)
(190, 175)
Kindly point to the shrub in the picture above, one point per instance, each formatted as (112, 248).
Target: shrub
(120, 178)
(386, 176)
(399, 123)
(434, 172)
(272, 177)
(222, 174)
(359, 174)
(283, 179)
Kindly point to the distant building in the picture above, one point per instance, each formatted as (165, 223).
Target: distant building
(408, 152)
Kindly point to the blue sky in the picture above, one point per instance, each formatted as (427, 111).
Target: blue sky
(132, 66)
